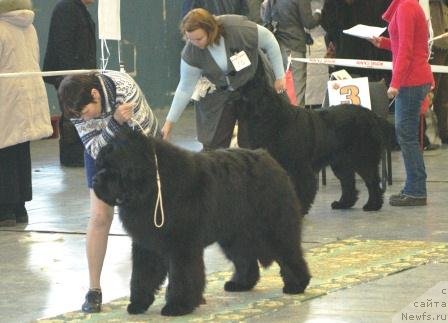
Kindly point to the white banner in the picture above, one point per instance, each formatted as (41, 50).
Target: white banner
(362, 63)
(109, 26)
(349, 91)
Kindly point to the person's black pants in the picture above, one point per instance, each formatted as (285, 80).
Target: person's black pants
(15, 174)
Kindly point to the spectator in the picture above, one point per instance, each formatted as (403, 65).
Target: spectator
(291, 17)
(212, 43)
(101, 104)
(217, 7)
(338, 15)
(71, 45)
(254, 11)
(411, 81)
(439, 20)
(24, 113)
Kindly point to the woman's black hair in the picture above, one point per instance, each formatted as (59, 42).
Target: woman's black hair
(75, 92)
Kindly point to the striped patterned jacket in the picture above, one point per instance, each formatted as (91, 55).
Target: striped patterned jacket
(118, 88)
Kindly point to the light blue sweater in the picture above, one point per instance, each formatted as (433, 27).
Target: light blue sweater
(189, 75)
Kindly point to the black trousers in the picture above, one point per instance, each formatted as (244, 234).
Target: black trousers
(15, 174)
(440, 99)
(224, 131)
(71, 148)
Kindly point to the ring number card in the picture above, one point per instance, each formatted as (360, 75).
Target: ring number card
(349, 91)
(240, 60)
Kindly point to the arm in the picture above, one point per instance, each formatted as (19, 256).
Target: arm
(266, 11)
(403, 58)
(268, 43)
(189, 76)
(308, 19)
(129, 103)
(381, 42)
(96, 133)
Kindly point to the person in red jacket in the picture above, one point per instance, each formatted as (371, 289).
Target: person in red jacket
(411, 81)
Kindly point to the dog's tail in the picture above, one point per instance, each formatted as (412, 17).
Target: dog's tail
(386, 131)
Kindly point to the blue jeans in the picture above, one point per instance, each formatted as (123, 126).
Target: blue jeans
(407, 120)
(89, 165)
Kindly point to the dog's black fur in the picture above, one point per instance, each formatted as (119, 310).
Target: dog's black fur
(349, 138)
(239, 198)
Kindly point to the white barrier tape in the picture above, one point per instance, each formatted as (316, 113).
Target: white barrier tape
(439, 37)
(361, 63)
(49, 73)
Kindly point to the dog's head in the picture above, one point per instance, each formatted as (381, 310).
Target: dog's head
(126, 170)
(260, 105)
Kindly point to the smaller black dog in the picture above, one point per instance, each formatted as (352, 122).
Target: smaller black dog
(347, 137)
(241, 199)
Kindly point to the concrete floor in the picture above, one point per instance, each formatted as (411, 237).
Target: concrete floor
(44, 270)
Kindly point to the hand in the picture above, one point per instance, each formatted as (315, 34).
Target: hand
(331, 50)
(124, 112)
(376, 41)
(280, 85)
(166, 130)
(392, 92)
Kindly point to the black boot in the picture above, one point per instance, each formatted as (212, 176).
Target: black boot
(20, 213)
(7, 218)
(93, 301)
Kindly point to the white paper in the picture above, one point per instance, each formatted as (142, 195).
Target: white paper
(364, 31)
(109, 26)
(240, 61)
(340, 75)
(350, 91)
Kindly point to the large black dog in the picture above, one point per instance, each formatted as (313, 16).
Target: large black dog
(349, 138)
(239, 198)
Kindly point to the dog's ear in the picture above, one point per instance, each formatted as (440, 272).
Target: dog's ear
(106, 187)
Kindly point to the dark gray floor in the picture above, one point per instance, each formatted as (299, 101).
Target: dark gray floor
(44, 270)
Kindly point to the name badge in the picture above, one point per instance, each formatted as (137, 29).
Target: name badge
(240, 61)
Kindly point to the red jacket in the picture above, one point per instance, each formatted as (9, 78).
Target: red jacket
(408, 42)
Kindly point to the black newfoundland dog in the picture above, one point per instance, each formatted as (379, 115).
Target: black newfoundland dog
(242, 199)
(349, 138)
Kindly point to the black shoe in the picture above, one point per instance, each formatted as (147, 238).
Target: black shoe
(93, 301)
(21, 213)
(405, 200)
(7, 220)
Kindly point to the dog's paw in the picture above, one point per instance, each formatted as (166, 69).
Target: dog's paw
(232, 286)
(341, 205)
(139, 307)
(372, 206)
(292, 288)
(136, 308)
(176, 309)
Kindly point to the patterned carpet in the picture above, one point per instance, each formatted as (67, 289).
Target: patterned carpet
(334, 266)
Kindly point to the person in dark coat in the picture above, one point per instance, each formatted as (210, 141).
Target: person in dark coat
(292, 17)
(439, 21)
(71, 45)
(217, 7)
(338, 15)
